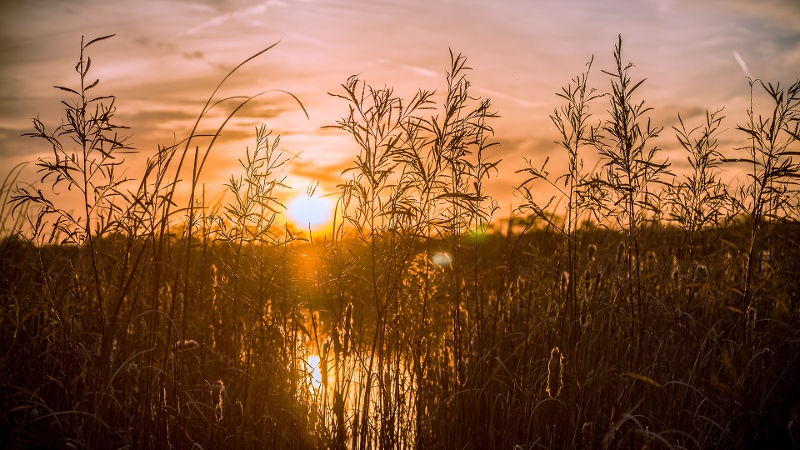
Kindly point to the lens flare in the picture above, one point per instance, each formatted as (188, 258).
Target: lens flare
(442, 259)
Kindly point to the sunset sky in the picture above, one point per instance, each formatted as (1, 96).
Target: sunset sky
(168, 56)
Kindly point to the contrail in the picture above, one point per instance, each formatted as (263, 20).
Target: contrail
(245, 13)
(742, 64)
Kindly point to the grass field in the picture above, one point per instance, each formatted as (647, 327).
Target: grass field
(639, 308)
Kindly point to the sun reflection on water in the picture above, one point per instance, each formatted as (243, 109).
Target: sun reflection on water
(314, 371)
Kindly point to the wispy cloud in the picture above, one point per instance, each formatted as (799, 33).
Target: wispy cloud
(510, 98)
(249, 14)
(418, 70)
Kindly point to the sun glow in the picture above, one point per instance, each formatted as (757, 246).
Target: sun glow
(315, 371)
(310, 212)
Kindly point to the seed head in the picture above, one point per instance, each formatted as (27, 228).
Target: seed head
(323, 369)
(701, 273)
(766, 358)
(587, 433)
(585, 315)
(729, 264)
(651, 260)
(185, 344)
(752, 318)
(765, 267)
(337, 342)
(675, 272)
(555, 369)
(220, 400)
(587, 281)
(348, 315)
(348, 327)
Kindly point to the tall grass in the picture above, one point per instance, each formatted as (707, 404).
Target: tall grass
(650, 310)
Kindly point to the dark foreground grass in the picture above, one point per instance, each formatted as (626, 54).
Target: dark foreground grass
(654, 311)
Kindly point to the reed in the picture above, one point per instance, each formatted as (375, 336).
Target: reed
(634, 309)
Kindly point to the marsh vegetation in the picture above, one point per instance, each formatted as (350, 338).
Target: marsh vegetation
(637, 308)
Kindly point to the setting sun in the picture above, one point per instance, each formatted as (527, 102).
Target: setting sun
(311, 212)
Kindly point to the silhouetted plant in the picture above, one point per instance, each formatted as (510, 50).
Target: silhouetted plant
(571, 120)
(377, 206)
(699, 200)
(630, 171)
(8, 223)
(86, 150)
(773, 172)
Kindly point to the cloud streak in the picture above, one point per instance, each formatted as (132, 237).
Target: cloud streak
(168, 56)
